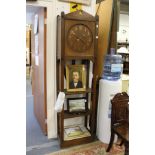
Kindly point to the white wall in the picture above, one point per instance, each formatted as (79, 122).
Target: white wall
(123, 33)
(54, 7)
(29, 18)
(124, 19)
(64, 6)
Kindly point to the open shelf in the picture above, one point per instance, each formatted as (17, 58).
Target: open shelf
(123, 44)
(72, 115)
(82, 132)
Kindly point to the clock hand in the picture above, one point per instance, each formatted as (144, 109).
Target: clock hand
(78, 37)
(82, 37)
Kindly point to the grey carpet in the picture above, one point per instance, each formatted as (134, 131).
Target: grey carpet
(28, 88)
(36, 142)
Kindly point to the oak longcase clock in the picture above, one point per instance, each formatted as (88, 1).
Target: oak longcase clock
(78, 33)
(77, 40)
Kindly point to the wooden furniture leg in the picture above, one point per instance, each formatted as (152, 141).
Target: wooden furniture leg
(126, 148)
(121, 143)
(111, 141)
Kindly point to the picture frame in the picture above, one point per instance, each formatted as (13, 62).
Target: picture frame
(86, 2)
(76, 78)
(76, 105)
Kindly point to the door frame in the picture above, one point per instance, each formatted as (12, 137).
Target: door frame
(50, 65)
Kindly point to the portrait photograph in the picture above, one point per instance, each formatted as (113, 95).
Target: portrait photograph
(76, 77)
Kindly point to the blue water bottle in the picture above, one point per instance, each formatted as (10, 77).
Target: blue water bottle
(113, 66)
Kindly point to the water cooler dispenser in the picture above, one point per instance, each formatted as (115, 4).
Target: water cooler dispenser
(109, 85)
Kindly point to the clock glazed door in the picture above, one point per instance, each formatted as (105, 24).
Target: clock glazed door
(39, 69)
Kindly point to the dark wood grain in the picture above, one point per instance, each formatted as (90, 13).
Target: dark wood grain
(113, 31)
(120, 119)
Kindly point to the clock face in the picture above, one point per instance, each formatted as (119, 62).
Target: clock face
(79, 38)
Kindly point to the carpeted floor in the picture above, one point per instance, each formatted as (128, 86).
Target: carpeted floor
(36, 142)
(95, 148)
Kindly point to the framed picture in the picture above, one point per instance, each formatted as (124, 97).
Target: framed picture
(76, 77)
(86, 2)
(76, 105)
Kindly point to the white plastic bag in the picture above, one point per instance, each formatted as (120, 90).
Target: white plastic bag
(60, 102)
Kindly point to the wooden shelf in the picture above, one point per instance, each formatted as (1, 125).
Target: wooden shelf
(123, 44)
(79, 58)
(125, 53)
(77, 141)
(72, 115)
(66, 58)
(88, 90)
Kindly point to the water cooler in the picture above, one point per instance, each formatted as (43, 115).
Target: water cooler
(109, 85)
(107, 89)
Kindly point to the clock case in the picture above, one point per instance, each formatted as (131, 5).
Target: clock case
(65, 54)
(65, 22)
